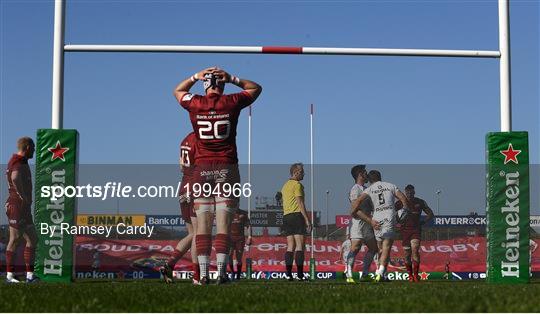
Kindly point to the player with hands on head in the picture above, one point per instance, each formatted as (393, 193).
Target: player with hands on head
(214, 118)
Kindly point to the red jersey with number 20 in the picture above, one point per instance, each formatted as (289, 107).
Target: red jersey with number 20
(214, 119)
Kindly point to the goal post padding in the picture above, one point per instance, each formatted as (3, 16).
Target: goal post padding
(507, 207)
(56, 164)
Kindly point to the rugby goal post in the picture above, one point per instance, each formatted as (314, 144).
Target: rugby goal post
(508, 254)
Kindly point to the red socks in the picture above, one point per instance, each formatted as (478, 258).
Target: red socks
(196, 272)
(10, 256)
(29, 256)
(203, 242)
(221, 243)
(416, 268)
(409, 269)
(174, 258)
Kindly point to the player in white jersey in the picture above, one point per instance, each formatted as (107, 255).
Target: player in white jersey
(360, 232)
(383, 196)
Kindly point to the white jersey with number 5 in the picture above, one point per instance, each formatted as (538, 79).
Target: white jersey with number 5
(382, 196)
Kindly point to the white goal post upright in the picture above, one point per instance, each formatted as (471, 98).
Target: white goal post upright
(58, 66)
(311, 176)
(504, 66)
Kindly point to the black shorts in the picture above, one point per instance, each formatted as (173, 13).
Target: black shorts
(294, 224)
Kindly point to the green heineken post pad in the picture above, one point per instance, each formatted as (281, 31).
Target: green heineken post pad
(56, 165)
(312, 270)
(249, 269)
(507, 209)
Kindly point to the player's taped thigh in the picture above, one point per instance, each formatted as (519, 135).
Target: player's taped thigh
(226, 204)
(204, 205)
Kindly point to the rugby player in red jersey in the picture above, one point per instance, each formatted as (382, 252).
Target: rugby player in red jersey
(239, 223)
(187, 156)
(19, 211)
(214, 117)
(411, 230)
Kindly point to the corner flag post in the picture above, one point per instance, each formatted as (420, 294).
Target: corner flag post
(312, 259)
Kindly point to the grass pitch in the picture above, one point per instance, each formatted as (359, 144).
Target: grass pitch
(270, 296)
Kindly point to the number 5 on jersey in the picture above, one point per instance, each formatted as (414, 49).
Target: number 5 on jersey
(381, 199)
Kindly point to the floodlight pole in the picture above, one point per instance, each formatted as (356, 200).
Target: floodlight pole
(58, 66)
(504, 66)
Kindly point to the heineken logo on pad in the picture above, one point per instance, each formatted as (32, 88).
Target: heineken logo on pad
(510, 155)
(52, 263)
(510, 264)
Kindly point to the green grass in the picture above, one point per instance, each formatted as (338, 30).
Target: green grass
(270, 296)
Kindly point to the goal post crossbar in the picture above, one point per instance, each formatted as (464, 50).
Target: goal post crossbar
(284, 50)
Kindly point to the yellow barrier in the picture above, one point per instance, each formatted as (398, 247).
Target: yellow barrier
(110, 220)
